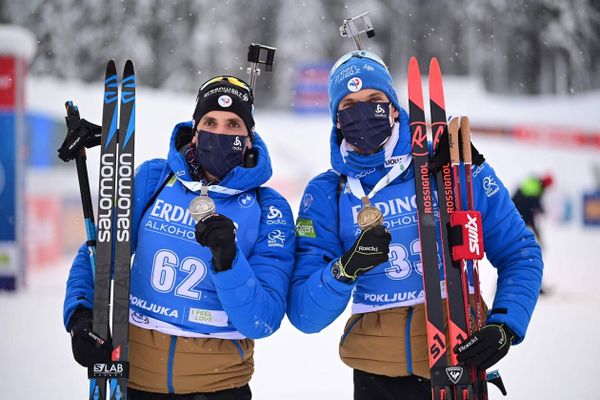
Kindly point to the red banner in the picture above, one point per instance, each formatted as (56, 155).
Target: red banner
(8, 88)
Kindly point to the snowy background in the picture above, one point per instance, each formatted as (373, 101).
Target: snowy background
(515, 46)
(490, 76)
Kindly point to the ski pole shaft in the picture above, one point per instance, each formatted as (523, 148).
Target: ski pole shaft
(88, 217)
(465, 133)
(86, 200)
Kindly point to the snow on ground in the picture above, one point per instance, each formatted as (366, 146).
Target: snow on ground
(289, 364)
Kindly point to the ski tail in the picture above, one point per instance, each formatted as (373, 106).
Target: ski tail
(123, 220)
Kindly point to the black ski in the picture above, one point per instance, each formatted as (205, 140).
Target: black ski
(122, 239)
(106, 196)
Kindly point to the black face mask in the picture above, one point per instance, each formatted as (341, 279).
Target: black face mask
(218, 154)
(366, 126)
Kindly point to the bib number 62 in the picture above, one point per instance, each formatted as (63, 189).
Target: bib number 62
(165, 268)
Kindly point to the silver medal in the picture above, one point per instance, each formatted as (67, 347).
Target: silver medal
(202, 205)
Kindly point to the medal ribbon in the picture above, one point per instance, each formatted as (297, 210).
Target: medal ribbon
(196, 187)
(357, 189)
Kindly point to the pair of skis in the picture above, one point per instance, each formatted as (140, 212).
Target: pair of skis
(110, 244)
(449, 380)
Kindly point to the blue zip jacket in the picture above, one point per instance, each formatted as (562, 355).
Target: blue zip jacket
(249, 300)
(326, 228)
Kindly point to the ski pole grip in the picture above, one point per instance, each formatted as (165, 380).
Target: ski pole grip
(465, 136)
(453, 141)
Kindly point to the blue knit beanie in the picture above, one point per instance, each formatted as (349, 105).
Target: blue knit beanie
(359, 71)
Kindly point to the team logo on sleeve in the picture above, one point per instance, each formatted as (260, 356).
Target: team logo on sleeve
(477, 170)
(305, 228)
(275, 216)
(274, 213)
(276, 238)
(490, 186)
(307, 201)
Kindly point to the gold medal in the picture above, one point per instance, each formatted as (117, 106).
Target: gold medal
(202, 205)
(369, 216)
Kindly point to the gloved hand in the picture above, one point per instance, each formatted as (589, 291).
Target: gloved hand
(88, 347)
(485, 347)
(370, 249)
(80, 133)
(217, 232)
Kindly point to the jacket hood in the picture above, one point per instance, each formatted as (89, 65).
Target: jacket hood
(239, 178)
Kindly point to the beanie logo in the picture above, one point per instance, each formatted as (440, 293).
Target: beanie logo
(225, 101)
(354, 84)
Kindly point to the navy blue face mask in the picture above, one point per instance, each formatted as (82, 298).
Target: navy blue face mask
(218, 154)
(366, 126)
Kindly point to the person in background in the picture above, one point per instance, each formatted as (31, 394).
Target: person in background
(528, 200)
(385, 340)
(200, 291)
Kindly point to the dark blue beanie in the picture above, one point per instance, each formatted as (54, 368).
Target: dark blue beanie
(357, 73)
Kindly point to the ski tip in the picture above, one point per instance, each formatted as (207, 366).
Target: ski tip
(436, 87)
(110, 78)
(111, 66)
(128, 68)
(413, 65)
(415, 91)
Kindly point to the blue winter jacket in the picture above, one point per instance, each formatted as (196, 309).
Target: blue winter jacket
(173, 282)
(326, 228)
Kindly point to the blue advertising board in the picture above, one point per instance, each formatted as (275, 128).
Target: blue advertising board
(591, 209)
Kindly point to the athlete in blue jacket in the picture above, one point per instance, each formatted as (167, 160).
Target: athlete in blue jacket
(385, 339)
(200, 292)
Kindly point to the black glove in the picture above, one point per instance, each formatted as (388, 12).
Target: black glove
(370, 249)
(217, 232)
(88, 347)
(80, 134)
(485, 347)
